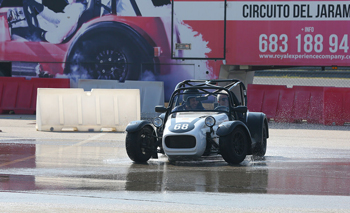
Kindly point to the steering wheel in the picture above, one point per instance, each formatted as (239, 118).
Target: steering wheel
(222, 108)
(29, 13)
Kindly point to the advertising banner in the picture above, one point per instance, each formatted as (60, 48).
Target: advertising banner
(168, 40)
(292, 33)
(98, 39)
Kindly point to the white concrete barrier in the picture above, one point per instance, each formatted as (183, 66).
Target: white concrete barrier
(76, 110)
(151, 92)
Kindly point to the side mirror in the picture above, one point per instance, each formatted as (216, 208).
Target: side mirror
(240, 109)
(160, 109)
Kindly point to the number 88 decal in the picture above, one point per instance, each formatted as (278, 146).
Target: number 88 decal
(181, 126)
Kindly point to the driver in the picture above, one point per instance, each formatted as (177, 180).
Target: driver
(58, 25)
(223, 99)
(190, 101)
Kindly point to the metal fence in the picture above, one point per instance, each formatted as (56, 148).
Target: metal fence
(305, 76)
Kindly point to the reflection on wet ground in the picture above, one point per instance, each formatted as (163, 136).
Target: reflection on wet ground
(14, 155)
(53, 167)
(199, 177)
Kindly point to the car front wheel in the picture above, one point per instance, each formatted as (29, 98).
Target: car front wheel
(234, 146)
(140, 145)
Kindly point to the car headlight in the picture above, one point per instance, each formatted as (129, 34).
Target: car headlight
(210, 121)
(157, 122)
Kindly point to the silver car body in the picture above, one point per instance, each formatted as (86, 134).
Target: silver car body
(191, 124)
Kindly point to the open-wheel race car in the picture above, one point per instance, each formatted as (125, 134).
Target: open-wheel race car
(203, 118)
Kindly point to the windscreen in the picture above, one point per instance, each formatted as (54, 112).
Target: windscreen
(195, 100)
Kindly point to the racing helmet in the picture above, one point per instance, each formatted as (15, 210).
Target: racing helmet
(189, 93)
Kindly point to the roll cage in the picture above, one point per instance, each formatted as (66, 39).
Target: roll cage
(234, 88)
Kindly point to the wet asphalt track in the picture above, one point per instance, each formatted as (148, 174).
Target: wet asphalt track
(306, 169)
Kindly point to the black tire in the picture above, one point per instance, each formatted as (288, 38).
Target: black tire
(105, 56)
(260, 149)
(234, 146)
(140, 145)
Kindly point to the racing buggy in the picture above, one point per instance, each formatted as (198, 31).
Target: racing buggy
(203, 118)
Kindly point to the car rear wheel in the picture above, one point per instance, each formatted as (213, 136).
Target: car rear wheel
(234, 146)
(105, 56)
(260, 148)
(140, 145)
